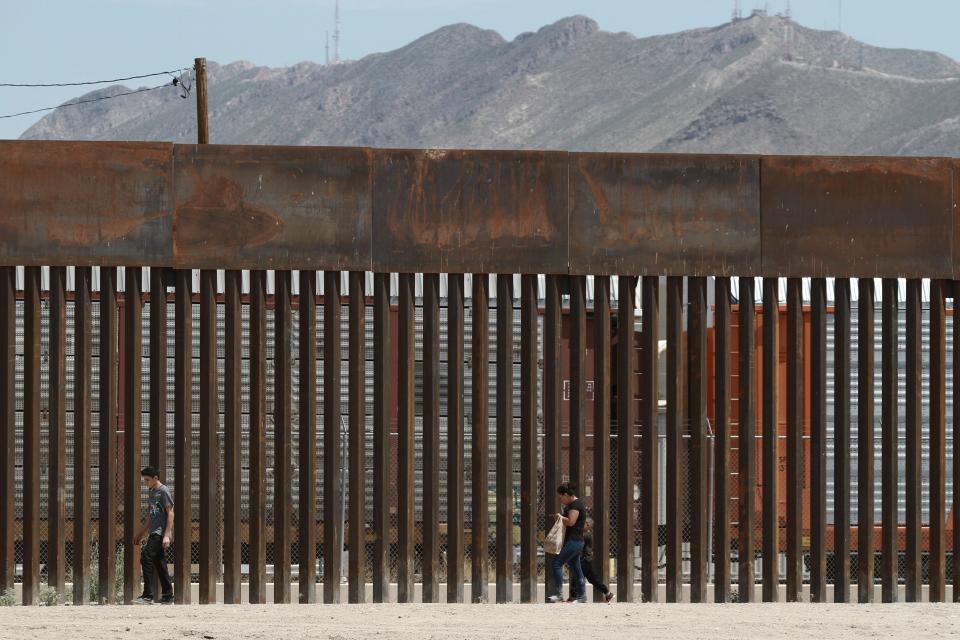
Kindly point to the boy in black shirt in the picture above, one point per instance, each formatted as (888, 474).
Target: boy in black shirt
(574, 516)
(158, 530)
(586, 564)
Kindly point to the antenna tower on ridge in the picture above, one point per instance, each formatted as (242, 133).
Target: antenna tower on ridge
(336, 32)
(326, 49)
(737, 15)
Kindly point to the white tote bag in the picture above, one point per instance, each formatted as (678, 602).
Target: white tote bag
(553, 543)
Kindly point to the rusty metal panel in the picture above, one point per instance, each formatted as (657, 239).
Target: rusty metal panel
(57, 427)
(406, 363)
(81, 427)
(258, 437)
(307, 431)
(818, 440)
(841, 434)
(108, 442)
(455, 424)
(601, 431)
(232, 436)
(747, 428)
(674, 495)
(889, 434)
(158, 377)
(383, 413)
(357, 412)
(955, 503)
(883, 217)
(158, 370)
(664, 214)
(528, 448)
(85, 203)
(282, 434)
(430, 563)
(479, 422)
(209, 448)
(132, 431)
(770, 430)
(183, 434)
(31, 437)
(272, 207)
(8, 423)
(865, 426)
(578, 378)
(699, 477)
(552, 398)
(461, 211)
(721, 451)
(504, 440)
(938, 442)
(795, 426)
(913, 443)
(650, 438)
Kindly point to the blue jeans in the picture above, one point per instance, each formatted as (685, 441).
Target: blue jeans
(570, 556)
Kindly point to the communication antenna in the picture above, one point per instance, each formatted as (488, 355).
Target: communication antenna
(787, 14)
(736, 10)
(336, 32)
(326, 49)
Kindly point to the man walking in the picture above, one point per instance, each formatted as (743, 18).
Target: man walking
(158, 530)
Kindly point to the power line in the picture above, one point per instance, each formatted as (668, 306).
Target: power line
(88, 100)
(80, 84)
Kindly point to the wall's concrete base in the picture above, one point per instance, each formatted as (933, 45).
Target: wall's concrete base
(491, 593)
(805, 596)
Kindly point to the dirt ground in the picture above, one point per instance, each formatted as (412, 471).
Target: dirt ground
(402, 622)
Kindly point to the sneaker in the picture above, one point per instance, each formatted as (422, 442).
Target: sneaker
(142, 600)
(581, 600)
(571, 599)
(554, 599)
(609, 597)
(166, 601)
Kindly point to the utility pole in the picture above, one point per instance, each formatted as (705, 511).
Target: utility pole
(203, 129)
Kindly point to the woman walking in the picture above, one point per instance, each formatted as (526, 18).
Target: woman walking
(573, 516)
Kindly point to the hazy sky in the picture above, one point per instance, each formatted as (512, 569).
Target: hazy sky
(75, 40)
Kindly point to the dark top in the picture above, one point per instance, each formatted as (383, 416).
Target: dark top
(157, 504)
(575, 532)
(587, 553)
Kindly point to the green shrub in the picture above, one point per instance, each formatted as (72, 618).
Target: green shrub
(95, 595)
(8, 598)
(48, 596)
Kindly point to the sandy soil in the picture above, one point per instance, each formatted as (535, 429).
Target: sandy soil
(676, 622)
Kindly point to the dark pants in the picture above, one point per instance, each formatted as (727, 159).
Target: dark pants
(586, 566)
(569, 555)
(153, 564)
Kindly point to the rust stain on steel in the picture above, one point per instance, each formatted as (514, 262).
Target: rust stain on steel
(85, 203)
(883, 217)
(461, 211)
(272, 207)
(664, 214)
(216, 211)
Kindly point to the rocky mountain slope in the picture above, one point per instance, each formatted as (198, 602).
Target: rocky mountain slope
(759, 85)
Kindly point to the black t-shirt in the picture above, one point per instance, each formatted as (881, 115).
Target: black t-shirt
(575, 532)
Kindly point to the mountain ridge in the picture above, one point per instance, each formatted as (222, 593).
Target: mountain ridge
(764, 84)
